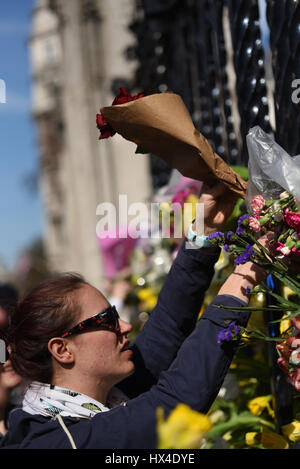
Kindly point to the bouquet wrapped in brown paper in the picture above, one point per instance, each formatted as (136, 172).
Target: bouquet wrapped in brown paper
(161, 124)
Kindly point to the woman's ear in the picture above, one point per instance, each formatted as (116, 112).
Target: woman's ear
(60, 350)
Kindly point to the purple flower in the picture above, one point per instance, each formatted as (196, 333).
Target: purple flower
(242, 258)
(216, 235)
(240, 229)
(242, 218)
(249, 249)
(225, 335)
(248, 289)
(228, 235)
(226, 247)
(245, 256)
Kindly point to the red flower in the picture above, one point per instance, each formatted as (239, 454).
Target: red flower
(105, 129)
(122, 97)
(293, 220)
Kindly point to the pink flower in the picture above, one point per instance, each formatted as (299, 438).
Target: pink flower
(293, 220)
(278, 245)
(257, 204)
(295, 253)
(289, 360)
(283, 249)
(181, 197)
(254, 225)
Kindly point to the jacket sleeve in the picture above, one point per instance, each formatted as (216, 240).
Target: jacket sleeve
(194, 378)
(173, 318)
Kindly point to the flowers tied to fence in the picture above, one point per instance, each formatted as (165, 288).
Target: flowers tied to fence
(279, 258)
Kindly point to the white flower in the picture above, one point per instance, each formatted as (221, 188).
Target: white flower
(278, 216)
(283, 195)
(276, 206)
(285, 251)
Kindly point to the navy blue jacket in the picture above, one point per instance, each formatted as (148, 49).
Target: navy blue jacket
(175, 362)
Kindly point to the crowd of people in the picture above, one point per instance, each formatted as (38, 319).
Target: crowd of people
(82, 384)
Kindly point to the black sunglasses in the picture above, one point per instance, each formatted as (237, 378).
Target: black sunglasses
(107, 319)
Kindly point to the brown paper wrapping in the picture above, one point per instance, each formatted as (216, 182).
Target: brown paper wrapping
(161, 124)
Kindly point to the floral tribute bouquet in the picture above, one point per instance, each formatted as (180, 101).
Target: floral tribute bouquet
(282, 217)
(271, 209)
(161, 124)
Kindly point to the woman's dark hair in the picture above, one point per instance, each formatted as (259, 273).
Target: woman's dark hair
(46, 311)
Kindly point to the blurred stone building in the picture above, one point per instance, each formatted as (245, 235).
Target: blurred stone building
(77, 52)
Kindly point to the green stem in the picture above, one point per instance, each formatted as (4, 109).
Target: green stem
(236, 422)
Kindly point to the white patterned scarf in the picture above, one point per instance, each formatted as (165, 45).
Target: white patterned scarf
(48, 400)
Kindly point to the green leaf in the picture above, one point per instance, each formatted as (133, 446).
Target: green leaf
(287, 281)
(241, 170)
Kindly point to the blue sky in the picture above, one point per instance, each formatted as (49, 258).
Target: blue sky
(20, 210)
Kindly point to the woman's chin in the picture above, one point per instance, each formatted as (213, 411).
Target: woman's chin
(9, 378)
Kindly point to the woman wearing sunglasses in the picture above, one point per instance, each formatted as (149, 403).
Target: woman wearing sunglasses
(89, 388)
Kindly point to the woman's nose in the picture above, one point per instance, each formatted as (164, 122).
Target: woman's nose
(125, 327)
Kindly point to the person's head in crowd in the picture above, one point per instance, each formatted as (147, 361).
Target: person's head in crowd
(9, 379)
(8, 300)
(47, 347)
(9, 397)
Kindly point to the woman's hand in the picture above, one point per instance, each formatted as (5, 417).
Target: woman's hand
(246, 275)
(218, 203)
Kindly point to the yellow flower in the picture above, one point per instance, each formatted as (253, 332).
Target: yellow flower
(285, 325)
(259, 404)
(287, 292)
(266, 438)
(183, 429)
(252, 438)
(149, 298)
(292, 431)
(150, 303)
(145, 293)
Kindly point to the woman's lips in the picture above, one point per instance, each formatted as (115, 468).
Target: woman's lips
(125, 346)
